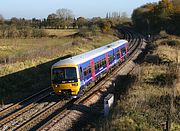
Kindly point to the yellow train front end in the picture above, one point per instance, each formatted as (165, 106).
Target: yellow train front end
(65, 80)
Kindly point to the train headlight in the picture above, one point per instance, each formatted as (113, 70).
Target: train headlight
(75, 84)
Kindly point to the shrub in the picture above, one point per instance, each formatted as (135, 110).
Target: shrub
(13, 32)
(163, 34)
(38, 33)
(105, 26)
(170, 43)
(25, 32)
(84, 33)
(161, 79)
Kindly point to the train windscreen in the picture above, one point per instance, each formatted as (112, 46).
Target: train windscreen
(67, 74)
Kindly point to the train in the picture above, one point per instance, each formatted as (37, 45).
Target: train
(71, 76)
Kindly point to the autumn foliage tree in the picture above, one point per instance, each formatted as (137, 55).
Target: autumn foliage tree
(105, 26)
(154, 17)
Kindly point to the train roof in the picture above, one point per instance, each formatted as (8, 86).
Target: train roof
(78, 59)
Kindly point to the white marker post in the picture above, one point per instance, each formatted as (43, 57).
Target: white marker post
(108, 102)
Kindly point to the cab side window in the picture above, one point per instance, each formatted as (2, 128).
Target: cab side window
(81, 75)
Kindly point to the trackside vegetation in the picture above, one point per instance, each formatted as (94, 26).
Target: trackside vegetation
(148, 99)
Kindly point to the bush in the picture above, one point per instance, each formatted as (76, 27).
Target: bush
(161, 79)
(38, 33)
(163, 34)
(25, 32)
(170, 43)
(84, 33)
(105, 26)
(13, 32)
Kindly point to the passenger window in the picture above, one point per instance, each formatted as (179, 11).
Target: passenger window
(123, 50)
(99, 64)
(96, 65)
(110, 58)
(89, 70)
(85, 72)
(103, 61)
(81, 75)
(81, 70)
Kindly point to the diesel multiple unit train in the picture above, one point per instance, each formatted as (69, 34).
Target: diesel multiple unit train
(70, 76)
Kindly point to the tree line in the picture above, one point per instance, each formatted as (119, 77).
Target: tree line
(62, 19)
(155, 17)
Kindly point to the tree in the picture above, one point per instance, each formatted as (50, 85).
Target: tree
(52, 20)
(64, 14)
(95, 21)
(81, 21)
(164, 15)
(1, 20)
(105, 26)
(65, 17)
(14, 21)
(124, 15)
(36, 23)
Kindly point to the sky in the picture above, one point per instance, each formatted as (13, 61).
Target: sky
(87, 8)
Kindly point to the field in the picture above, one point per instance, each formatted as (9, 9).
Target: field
(61, 33)
(149, 98)
(26, 63)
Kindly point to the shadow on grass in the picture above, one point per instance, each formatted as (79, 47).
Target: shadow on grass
(22, 84)
(94, 113)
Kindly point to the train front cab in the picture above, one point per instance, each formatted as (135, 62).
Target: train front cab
(65, 80)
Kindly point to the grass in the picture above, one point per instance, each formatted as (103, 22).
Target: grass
(146, 105)
(31, 71)
(61, 32)
(31, 52)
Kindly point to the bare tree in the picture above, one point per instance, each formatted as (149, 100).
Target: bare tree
(64, 14)
(124, 15)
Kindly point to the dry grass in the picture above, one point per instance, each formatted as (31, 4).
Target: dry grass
(61, 32)
(146, 105)
(31, 71)
(32, 52)
(169, 52)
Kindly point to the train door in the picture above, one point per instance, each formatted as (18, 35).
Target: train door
(92, 69)
(120, 54)
(127, 50)
(107, 61)
(81, 73)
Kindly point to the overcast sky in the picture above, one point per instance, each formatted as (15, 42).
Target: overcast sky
(87, 8)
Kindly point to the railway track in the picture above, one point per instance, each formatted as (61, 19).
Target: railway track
(12, 112)
(54, 113)
(22, 103)
(85, 98)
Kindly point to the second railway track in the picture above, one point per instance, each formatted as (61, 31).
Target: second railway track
(10, 117)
